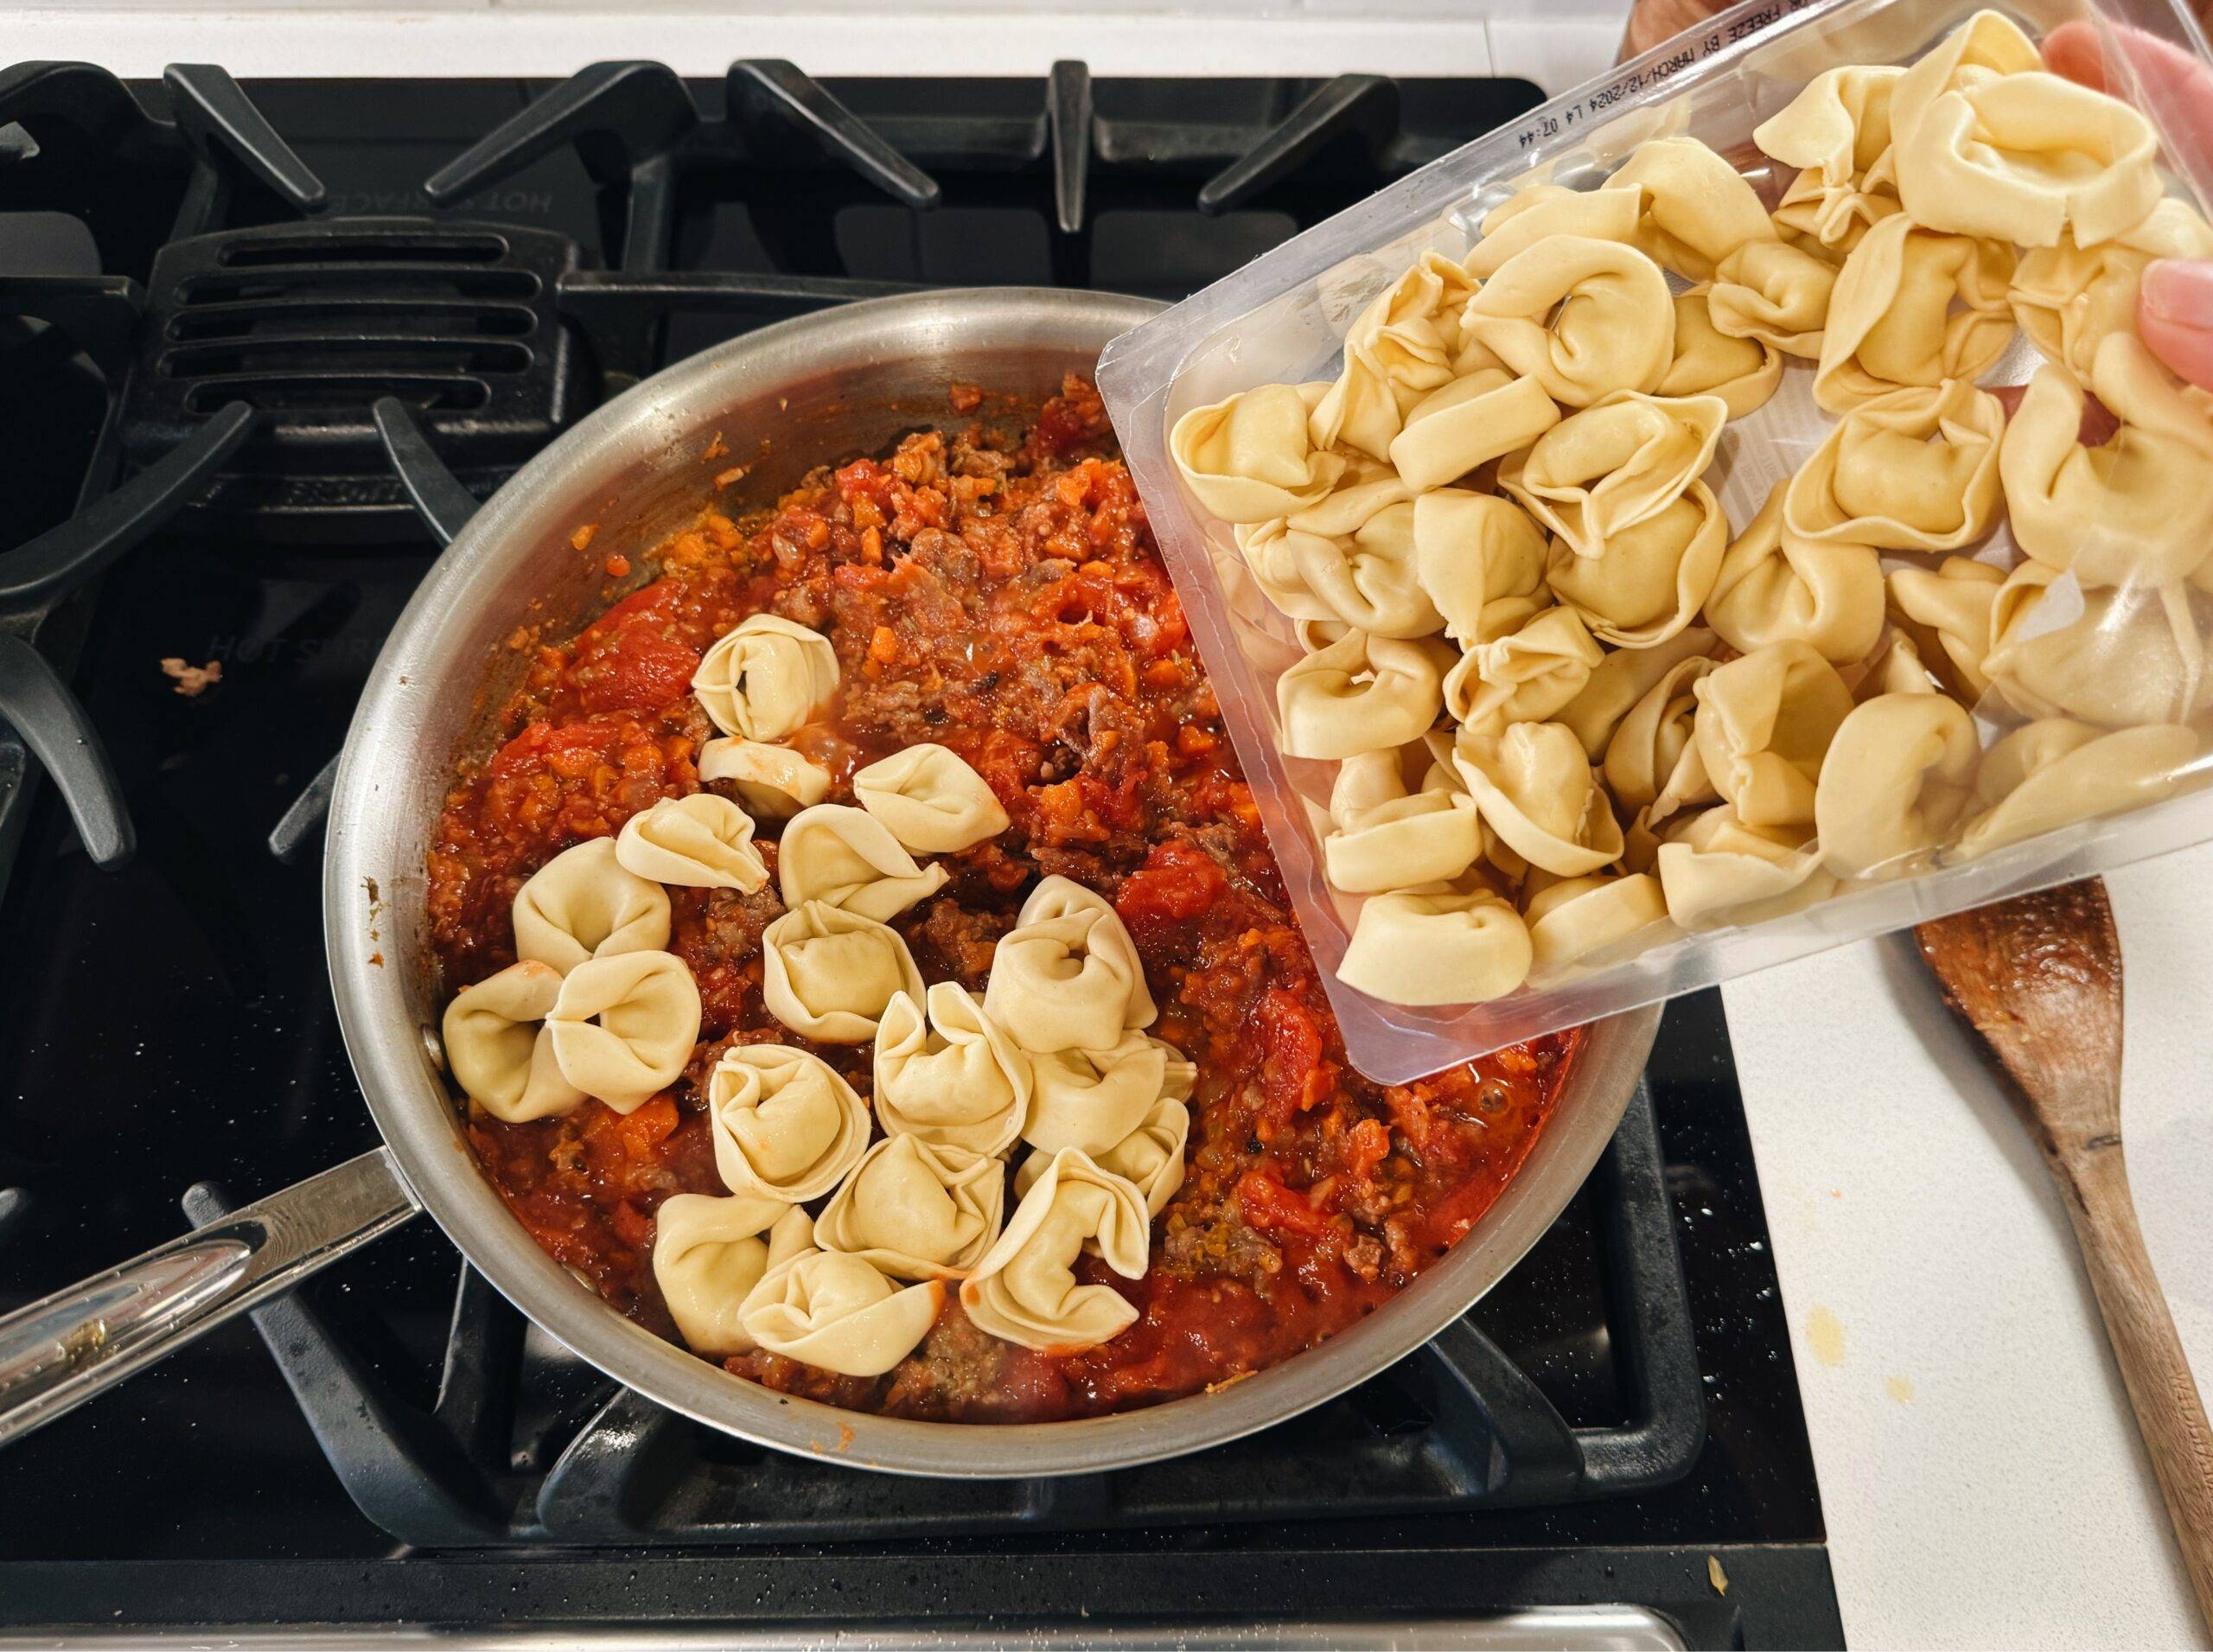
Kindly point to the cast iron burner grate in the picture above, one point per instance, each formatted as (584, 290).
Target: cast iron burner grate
(1455, 1427)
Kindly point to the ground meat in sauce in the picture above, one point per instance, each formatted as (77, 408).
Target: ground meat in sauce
(1000, 594)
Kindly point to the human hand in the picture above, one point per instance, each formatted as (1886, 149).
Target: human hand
(2174, 303)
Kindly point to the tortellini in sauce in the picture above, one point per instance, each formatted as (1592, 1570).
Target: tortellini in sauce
(953, 1076)
(775, 782)
(1068, 975)
(697, 842)
(829, 974)
(623, 1025)
(916, 1210)
(766, 677)
(1150, 1158)
(838, 1313)
(582, 904)
(710, 1252)
(785, 1125)
(1090, 1099)
(498, 1049)
(1026, 1291)
(932, 800)
(839, 855)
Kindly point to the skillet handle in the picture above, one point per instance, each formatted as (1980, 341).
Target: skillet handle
(60, 1351)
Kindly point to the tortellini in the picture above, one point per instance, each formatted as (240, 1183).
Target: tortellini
(1947, 611)
(1912, 307)
(499, 1052)
(1619, 681)
(1744, 371)
(1530, 215)
(2053, 773)
(1618, 464)
(582, 904)
(766, 677)
(1985, 47)
(956, 1078)
(2112, 657)
(1533, 788)
(827, 1308)
(829, 974)
(1403, 345)
(1697, 209)
(1150, 1158)
(1349, 558)
(785, 1125)
(1025, 1290)
(2071, 298)
(916, 1211)
(623, 1026)
(934, 802)
(1480, 559)
(698, 842)
(1764, 724)
(1583, 317)
(1478, 416)
(1774, 292)
(1251, 457)
(1910, 470)
(1653, 762)
(2138, 506)
(843, 856)
(1894, 782)
(1715, 869)
(1578, 916)
(1067, 976)
(708, 1255)
(1526, 675)
(775, 782)
(1773, 586)
(1647, 581)
(1446, 947)
(1090, 1099)
(1835, 131)
(1384, 836)
(1359, 693)
(2027, 158)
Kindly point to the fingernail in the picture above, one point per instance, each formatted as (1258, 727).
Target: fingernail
(2179, 291)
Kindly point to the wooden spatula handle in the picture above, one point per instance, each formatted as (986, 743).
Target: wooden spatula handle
(2095, 1182)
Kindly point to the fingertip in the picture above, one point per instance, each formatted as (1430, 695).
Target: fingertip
(2174, 317)
(2072, 50)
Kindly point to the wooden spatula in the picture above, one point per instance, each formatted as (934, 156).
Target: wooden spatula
(2039, 977)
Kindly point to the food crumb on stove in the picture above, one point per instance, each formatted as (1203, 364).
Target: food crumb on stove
(965, 398)
(1715, 1575)
(617, 566)
(582, 536)
(193, 680)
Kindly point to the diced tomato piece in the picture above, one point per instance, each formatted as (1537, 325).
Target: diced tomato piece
(1178, 881)
(645, 1129)
(1267, 1204)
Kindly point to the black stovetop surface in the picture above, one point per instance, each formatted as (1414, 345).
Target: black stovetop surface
(169, 1023)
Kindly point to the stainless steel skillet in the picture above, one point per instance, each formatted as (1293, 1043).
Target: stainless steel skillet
(846, 381)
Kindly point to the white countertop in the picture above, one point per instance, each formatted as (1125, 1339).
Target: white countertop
(1983, 1482)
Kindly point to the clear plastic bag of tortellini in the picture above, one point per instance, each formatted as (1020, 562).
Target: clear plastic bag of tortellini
(2070, 640)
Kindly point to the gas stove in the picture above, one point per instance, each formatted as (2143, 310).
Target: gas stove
(266, 345)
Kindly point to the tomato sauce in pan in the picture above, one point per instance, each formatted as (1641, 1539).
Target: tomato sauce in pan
(999, 593)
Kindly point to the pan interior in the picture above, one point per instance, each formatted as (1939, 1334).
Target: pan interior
(778, 402)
